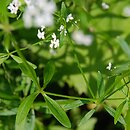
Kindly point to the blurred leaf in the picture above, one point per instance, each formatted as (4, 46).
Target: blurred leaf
(58, 128)
(122, 68)
(63, 10)
(19, 60)
(111, 111)
(48, 72)
(57, 111)
(118, 112)
(24, 108)
(7, 96)
(3, 59)
(26, 67)
(124, 46)
(86, 117)
(89, 125)
(100, 84)
(17, 24)
(39, 125)
(30, 121)
(74, 104)
(127, 119)
(7, 112)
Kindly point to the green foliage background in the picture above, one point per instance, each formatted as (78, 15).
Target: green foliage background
(29, 72)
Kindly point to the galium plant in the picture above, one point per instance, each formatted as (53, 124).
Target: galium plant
(47, 44)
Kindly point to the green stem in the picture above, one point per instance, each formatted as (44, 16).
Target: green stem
(115, 91)
(70, 97)
(115, 98)
(33, 76)
(80, 68)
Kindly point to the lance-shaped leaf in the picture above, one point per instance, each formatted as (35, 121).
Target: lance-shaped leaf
(19, 60)
(124, 46)
(127, 119)
(8, 96)
(57, 111)
(48, 72)
(25, 66)
(3, 59)
(87, 117)
(25, 107)
(111, 111)
(118, 112)
(63, 10)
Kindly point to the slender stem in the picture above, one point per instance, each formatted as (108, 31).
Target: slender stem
(115, 98)
(70, 97)
(80, 68)
(25, 47)
(31, 71)
(127, 87)
(115, 91)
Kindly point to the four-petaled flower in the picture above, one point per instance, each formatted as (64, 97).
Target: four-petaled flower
(69, 17)
(54, 42)
(62, 29)
(14, 6)
(109, 67)
(41, 33)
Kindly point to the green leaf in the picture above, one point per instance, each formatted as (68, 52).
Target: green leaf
(28, 123)
(89, 125)
(3, 59)
(48, 72)
(7, 96)
(124, 45)
(118, 112)
(24, 108)
(19, 60)
(63, 10)
(74, 104)
(100, 84)
(7, 112)
(127, 119)
(30, 71)
(86, 117)
(57, 111)
(111, 111)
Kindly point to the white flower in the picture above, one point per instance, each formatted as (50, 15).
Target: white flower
(28, 2)
(105, 5)
(69, 17)
(62, 29)
(109, 66)
(38, 13)
(41, 33)
(126, 11)
(54, 42)
(82, 39)
(14, 6)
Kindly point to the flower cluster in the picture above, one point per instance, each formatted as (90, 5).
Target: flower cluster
(62, 29)
(69, 18)
(14, 6)
(41, 33)
(82, 39)
(28, 2)
(105, 6)
(54, 41)
(38, 13)
(126, 11)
